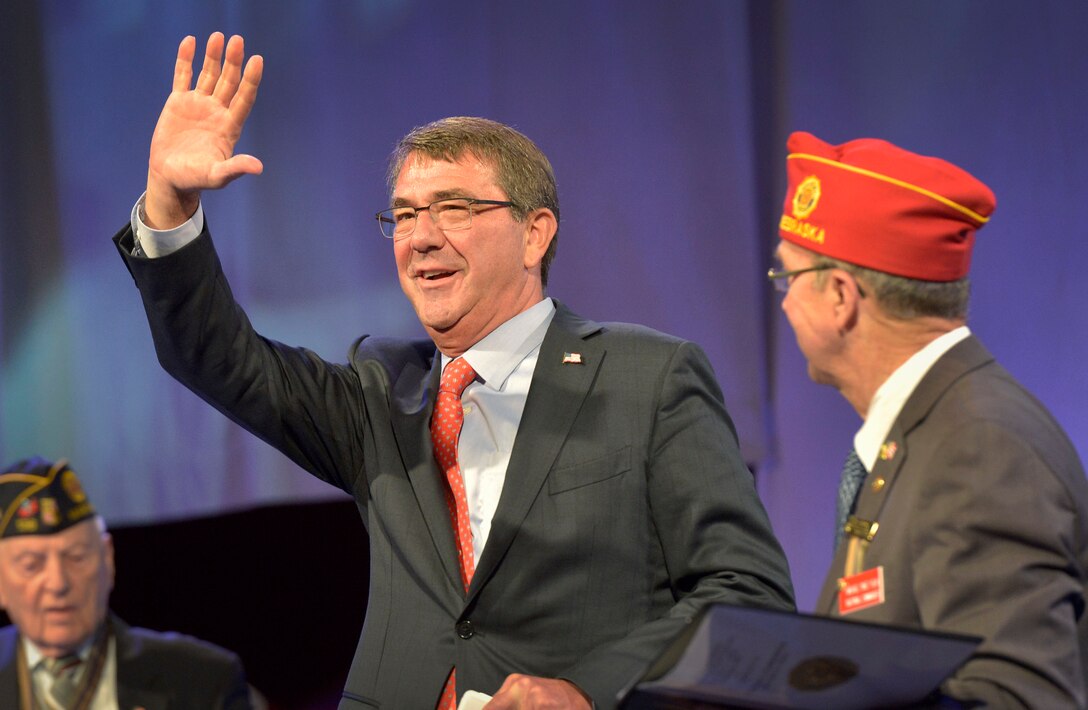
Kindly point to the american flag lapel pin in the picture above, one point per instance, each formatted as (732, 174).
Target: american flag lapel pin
(887, 451)
(573, 359)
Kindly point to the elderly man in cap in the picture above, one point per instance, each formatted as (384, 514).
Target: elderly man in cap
(963, 503)
(65, 650)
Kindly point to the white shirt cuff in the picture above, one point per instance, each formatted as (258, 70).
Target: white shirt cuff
(154, 243)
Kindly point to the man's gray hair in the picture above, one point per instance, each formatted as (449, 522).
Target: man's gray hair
(904, 298)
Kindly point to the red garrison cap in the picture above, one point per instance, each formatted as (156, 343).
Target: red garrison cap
(873, 204)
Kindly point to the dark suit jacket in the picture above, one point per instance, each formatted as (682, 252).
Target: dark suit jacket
(155, 671)
(626, 505)
(982, 530)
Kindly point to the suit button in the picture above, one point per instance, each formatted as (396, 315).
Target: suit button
(465, 630)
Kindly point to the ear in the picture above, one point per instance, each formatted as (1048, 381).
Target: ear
(540, 228)
(846, 299)
(107, 551)
(4, 566)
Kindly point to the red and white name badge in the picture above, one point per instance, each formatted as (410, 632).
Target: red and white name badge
(861, 591)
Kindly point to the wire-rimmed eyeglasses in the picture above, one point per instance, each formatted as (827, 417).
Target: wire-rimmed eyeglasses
(448, 214)
(783, 279)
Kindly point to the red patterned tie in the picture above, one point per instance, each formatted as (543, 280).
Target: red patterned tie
(445, 431)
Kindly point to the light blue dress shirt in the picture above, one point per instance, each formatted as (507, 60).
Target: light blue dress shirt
(504, 362)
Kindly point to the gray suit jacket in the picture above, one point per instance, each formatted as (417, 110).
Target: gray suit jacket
(155, 671)
(626, 505)
(982, 507)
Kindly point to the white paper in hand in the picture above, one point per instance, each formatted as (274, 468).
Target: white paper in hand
(473, 700)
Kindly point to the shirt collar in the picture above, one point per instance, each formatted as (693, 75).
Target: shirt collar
(500, 351)
(34, 657)
(893, 393)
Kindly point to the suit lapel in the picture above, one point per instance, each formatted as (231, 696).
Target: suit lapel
(133, 685)
(965, 356)
(136, 698)
(410, 414)
(555, 396)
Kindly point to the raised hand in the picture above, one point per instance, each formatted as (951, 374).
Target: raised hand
(193, 145)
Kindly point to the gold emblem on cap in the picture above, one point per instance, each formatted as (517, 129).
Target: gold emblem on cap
(50, 512)
(72, 487)
(806, 197)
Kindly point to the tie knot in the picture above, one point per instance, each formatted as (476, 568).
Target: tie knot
(456, 377)
(60, 666)
(853, 469)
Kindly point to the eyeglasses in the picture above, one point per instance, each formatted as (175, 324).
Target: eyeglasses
(448, 215)
(782, 280)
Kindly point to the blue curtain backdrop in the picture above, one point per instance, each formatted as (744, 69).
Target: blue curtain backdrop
(666, 123)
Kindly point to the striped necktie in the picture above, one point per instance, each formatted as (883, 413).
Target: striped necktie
(853, 473)
(65, 672)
